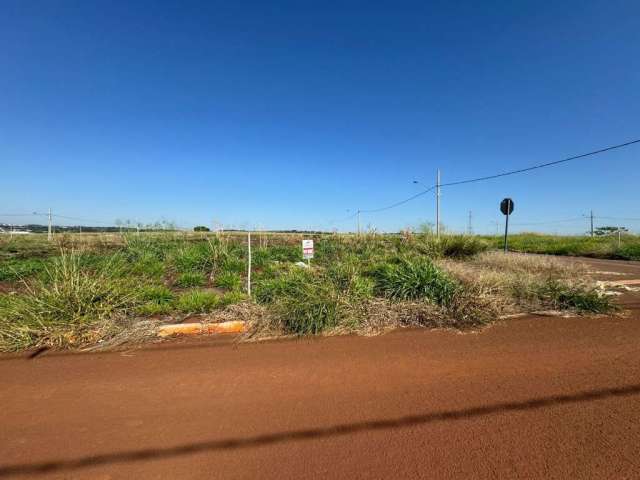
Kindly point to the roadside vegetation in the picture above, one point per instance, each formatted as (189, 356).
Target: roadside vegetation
(599, 246)
(88, 290)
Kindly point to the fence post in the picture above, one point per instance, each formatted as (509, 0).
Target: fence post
(249, 264)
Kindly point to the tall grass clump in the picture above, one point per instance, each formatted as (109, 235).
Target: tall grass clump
(451, 246)
(66, 307)
(564, 296)
(305, 302)
(413, 278)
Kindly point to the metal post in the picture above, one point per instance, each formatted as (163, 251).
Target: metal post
(438, 204)
(506, 228)
(592, 223)
(249, 264)
(49, 232)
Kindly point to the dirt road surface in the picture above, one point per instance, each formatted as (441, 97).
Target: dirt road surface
(534, 397)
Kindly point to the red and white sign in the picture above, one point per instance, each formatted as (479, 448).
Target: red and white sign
(307, 249)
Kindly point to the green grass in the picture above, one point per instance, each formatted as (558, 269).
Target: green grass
(584, 246)
(566, 297)
(229, 280)
(17, 269)
(413, 278)
(197, 301)
(190, 279)
(61, 307)
(77, 291)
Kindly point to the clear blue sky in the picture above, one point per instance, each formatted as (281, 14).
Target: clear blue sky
(286, 114)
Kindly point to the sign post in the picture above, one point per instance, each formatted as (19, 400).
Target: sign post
(307, 250)
(506, 207)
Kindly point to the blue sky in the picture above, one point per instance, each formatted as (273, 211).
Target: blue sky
(288, 114)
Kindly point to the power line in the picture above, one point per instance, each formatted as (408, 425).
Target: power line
(503, 174)
(542, 165)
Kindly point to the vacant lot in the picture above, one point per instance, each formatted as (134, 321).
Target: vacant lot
(536, 397)
(88, 290)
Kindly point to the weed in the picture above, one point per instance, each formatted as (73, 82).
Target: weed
(190, 279)
(60, 308)
(564, 296)
(413, 278)
(197, 301)
(229, 280)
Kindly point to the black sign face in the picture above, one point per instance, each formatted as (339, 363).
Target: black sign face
(506, 206)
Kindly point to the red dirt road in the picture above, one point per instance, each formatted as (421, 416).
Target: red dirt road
(537, 397)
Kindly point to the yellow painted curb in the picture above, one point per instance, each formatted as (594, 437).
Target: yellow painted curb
(202, 328)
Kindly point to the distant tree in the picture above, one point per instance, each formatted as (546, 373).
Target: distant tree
(603, 231)
(201, 228)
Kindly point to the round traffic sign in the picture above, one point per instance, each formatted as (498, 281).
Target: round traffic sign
(506, 206)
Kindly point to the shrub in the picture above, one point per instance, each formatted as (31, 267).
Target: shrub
(413, 278)
(197, 301)
(190, 279)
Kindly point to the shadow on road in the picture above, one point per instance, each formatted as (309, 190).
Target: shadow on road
(310, 434)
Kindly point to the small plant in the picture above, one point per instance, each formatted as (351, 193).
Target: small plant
(190, 279)
(197, 301)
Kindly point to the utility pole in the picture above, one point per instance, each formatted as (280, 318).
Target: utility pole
(592, 223)
(470, 226)
(358, 222)
(438, 204)
(49, 232)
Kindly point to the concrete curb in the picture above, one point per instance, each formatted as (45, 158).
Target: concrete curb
(202, 328)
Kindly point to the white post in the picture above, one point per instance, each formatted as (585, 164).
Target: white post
(618, 236)
(49, 232)
(249, 264)
(438, 204)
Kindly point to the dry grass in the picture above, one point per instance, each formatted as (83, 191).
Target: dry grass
(507, 284)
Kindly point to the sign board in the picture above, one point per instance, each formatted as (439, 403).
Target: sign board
(307, 249)
(506, 206)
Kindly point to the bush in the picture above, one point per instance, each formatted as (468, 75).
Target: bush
(414, 278)
(198, 301)
(190, 279)
(201, 228)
